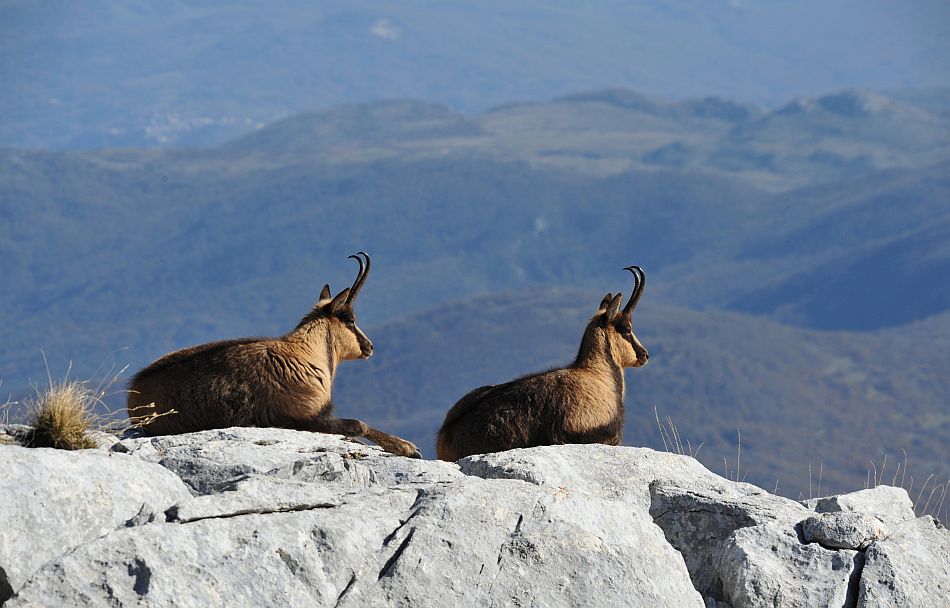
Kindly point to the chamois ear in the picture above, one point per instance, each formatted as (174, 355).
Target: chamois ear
(339, 301)
(605, 302)
(324, 296)
(613, 307)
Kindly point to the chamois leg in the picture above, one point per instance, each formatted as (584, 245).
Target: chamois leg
(392, 444)
(358, 428)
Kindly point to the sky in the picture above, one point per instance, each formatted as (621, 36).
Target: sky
(103, 72)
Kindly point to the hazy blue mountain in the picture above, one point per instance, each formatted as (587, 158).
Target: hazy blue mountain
(154, 250)
(117, 73)
(871, 253)
(935, 100)
(889, 282)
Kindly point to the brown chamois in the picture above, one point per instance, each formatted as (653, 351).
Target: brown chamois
(580, 403)
(267, 382)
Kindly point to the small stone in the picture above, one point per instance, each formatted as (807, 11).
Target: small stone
(889, 504)
(104, 441)
(16, 434)
(843, 530)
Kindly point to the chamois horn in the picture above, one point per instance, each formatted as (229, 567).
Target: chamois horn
(641, 280)
(360, 276)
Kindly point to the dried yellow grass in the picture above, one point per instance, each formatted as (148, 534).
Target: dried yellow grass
(63, 415)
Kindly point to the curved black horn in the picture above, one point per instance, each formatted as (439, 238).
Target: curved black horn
(641, 280)
(360, 276)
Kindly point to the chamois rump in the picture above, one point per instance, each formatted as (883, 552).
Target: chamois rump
(580, 403)
(267, 382)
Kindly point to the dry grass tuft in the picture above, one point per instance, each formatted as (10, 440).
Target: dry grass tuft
(71, 414)
(6, 408)
(63, 415)
(670, 435)
(145, 414)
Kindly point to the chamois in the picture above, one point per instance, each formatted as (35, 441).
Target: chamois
(268, 382)
(580, 403)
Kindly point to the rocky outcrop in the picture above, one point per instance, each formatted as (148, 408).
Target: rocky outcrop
(53, 501)
(270, 517)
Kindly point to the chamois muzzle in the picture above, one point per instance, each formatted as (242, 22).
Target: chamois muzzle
(366, 345)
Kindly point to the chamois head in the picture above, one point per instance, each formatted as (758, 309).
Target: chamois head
(618, 324)
(349, 341)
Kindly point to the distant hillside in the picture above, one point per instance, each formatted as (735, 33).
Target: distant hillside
(867, 253)
(107, 73)
(104, 254)
(834, 401)
(153, 250)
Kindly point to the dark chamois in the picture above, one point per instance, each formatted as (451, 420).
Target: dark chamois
(267, 382)
(580, 403)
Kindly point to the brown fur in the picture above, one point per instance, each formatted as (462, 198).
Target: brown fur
(268, 382)
(580, 403)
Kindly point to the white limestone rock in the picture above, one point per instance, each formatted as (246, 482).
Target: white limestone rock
(300, 558)
(699, 519)
(507, 543)
(910, 568)
(207, 460)
(267, 540)
(614, 472)
(54, 500)
(769, 566)
(273, 517)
